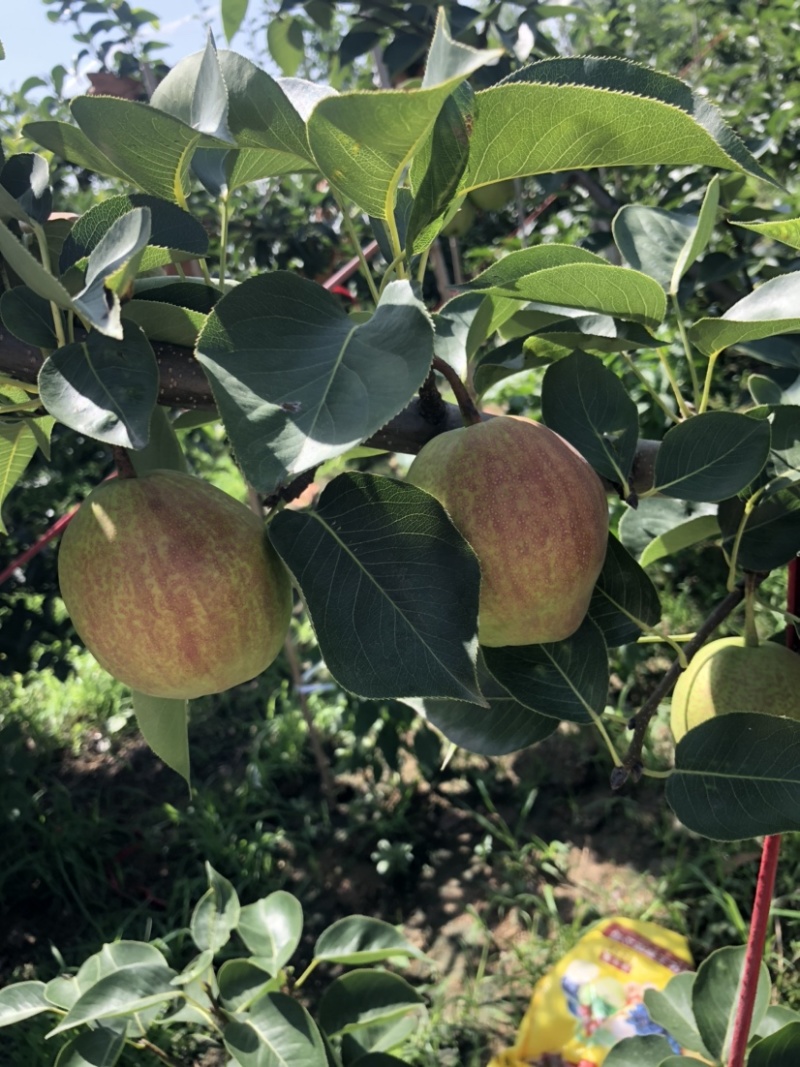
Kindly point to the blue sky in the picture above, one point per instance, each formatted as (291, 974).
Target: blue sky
(34, 45)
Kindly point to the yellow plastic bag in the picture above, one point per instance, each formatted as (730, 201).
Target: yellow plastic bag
(593, 997)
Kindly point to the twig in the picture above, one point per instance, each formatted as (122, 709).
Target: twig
(466, 404)
(754, 953)
(632, 761)
(431, 405)
(123, 462)
(292, 491)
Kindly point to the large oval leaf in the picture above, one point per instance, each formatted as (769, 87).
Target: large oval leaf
(771, 534)
(391, 587)
(100, 1047)
(297, 383)
(216, 913)
(712, 456)
(565, 680)
(17, 447)
(126, 991)
(738, 776)
(781, 1049)
(358, 939)
(586, 403)
(671, 1008)
(164, 724)
(562, 114)
(365, 998)
(22, 1000)
(278, 1032)
(504, 726)
(770, 310)
(654, 518)
(271, 928)
(624, 600)
(715, 998)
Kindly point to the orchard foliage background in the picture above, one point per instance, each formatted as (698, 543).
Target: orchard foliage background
(635, 286)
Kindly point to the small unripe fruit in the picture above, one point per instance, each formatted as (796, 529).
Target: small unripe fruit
(536, 515)
(727, 675)
(173, 586)
(493, 197)
(461, 222)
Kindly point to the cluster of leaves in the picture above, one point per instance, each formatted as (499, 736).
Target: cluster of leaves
(240, 1002)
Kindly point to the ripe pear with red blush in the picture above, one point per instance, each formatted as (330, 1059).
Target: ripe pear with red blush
(536, 515)
(173, 586)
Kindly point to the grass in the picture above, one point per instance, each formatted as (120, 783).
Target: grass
(496, 865)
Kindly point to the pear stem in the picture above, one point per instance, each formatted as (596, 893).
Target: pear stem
(469, 413)
(750, 631)
(123, 462)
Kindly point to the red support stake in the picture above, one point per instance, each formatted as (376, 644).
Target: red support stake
(765, 886)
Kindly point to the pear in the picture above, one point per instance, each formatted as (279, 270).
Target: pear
(493, 197)
(173, 586)
(536, 515)
(728, 675)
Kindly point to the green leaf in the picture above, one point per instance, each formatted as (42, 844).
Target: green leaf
(715, 998)
(70, 143)
(671, 1008)
(664, 244)
(587, 404)
(623, 597)
(692, 532)
(233, 13)
(163, 450)
(101, 1047)
(278, 1032)
(391, 587)
(28, 316)
(242, 982)
(285, 43)
(358, 939)
(649, 1051)
(149, 148)
(565, 680)
(22, 1001)
(17, 447)
(771, 531)
(780, 1049)
(30, 270)
(363, 142)
(296, 383)
(653, 518)
(504, 726)
(165, 322)
(566, 276)
(583, 112)
(111, 267)
(164, 725)
(365, 998)
(104, 388)
(216, 913)
(271, 928)
(775, 1018)
(440, 167)
(263, 121)
(787, 231)
(738, 776)
(711, 456)
(770, 310)
(25, 177)
(174, 233)
(125, 992)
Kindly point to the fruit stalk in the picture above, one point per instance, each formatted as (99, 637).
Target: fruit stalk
(123, 462)
(469, 412)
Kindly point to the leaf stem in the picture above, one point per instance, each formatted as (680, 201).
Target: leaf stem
(600, 726)
(469, 412)
(44, 252)
(306, 973)
(224, 216)
(712, 359)
(665, 363)
(351, 233)
(148, 1046)
(748, 510)
(687, 348)
(750, 631)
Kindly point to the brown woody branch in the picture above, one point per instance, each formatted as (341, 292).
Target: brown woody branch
(184, 385)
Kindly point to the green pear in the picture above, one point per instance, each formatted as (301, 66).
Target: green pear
(728, 675)
(461, 222)
(493, 197)
(536, 516)
(173, 586)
